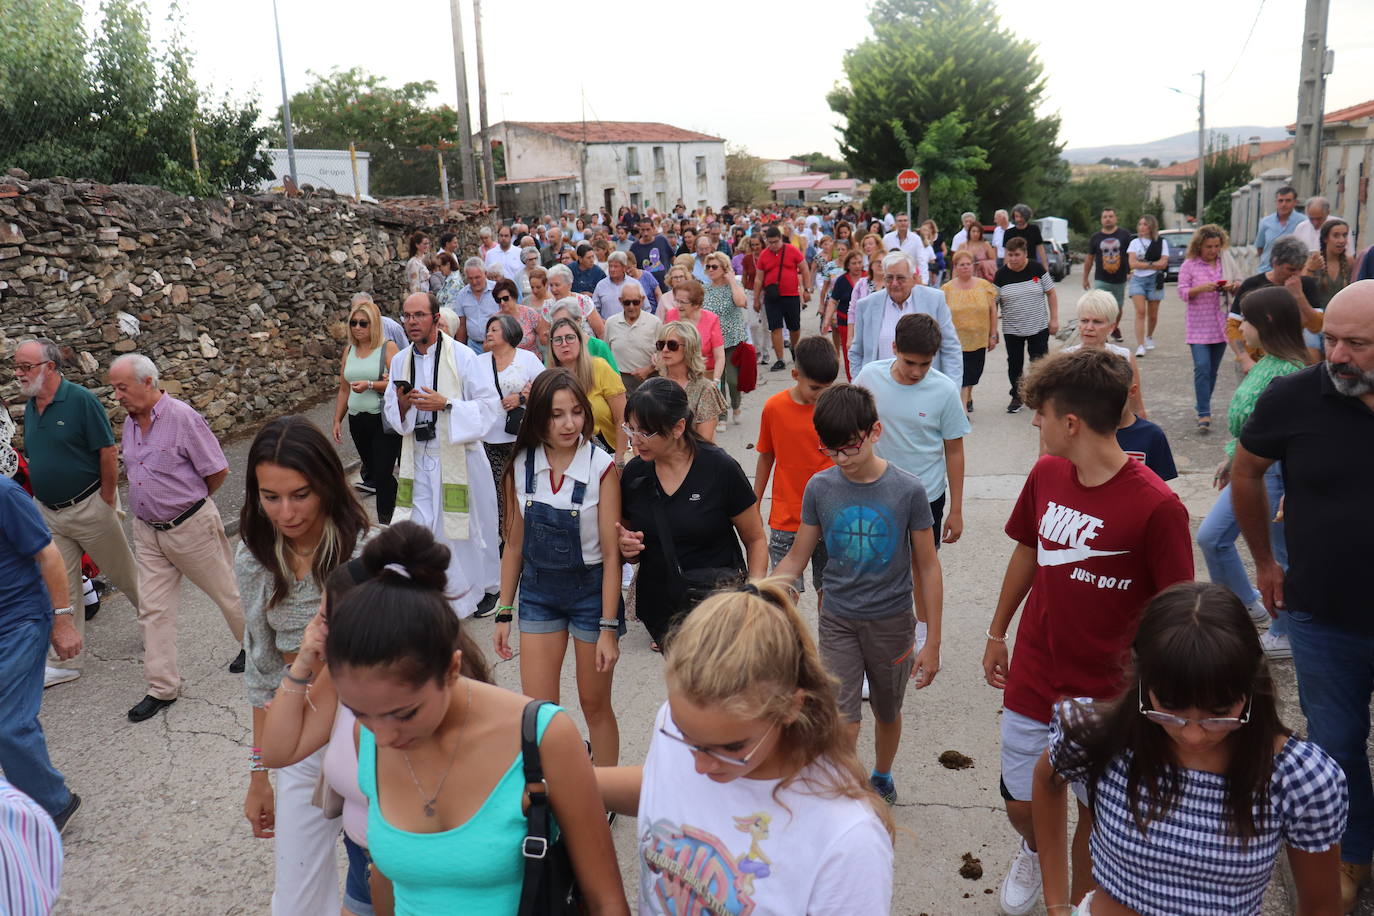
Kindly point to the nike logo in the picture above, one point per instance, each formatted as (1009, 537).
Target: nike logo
(1046, 557)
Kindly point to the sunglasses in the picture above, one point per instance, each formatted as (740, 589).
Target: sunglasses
(504, 298)
(672, 346)
(849, 451)
(716, 755)
(713, 267)
(360, 323)
(631, 301)
(1212, 724)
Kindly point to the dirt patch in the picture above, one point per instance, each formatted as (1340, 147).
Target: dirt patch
(972, 868)
(953, 760)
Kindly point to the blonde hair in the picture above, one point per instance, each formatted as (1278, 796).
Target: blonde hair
(691, 347)
(582, 369)
(675, 269)
(748, 651)
(374, 322)
(720, 258)
(1203, 233)
(1099, 303)
(961, 255)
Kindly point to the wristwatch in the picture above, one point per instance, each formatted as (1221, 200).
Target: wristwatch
(60, 611)
(522, 400)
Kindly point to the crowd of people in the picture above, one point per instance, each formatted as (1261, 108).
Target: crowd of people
(539, 434)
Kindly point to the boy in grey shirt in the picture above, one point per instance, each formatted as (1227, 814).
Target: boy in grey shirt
(866, 510)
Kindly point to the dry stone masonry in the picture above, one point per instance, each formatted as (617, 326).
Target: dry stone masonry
(239, 300)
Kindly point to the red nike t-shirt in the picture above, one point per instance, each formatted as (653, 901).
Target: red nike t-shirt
(1102, 553)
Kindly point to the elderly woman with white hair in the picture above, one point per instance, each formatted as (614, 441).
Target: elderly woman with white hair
(362, 382)
(560, 286)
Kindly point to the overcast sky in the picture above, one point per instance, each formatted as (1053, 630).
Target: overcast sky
(713, 65)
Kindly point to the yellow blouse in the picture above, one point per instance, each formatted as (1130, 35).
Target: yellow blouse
(606, 384)
(970, 309)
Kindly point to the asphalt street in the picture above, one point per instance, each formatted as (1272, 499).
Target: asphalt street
(161, 829)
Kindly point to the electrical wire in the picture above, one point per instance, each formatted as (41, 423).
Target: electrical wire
(1248, 35)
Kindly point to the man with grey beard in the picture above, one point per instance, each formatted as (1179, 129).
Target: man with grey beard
(1320, 423)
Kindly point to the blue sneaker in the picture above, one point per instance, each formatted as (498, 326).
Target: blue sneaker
(885, 787)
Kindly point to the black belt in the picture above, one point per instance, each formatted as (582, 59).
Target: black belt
(168, 526)
(84, 494)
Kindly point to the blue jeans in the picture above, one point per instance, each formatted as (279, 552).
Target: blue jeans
(1335, 680)
(1207, 360)
(23, 749)
(1217, 538)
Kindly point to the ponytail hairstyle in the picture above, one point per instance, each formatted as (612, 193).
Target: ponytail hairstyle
(1273, 312)
(1195, 648)
(398, 617)
(748, 651)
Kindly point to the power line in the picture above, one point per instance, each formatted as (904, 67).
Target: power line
(1248, 35)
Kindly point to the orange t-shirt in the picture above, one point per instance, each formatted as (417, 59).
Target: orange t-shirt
(788, 423)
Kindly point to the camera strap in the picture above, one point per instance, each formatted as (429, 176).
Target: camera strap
(438, 353)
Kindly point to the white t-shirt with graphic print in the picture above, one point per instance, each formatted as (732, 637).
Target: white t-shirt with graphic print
(732, 848)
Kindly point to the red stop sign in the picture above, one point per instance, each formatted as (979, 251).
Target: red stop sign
(908, 180)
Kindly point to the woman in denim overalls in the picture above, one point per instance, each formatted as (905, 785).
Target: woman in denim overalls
(563, 502)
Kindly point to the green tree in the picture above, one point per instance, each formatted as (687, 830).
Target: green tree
(112, 107)
(946, 164)
(820, 162)
(1226, 171)
(746, 183)
(930, 58)
(394, 125)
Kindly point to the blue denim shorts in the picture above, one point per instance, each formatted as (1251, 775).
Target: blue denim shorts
(1145, 286)
(554, 600)
(357, 894)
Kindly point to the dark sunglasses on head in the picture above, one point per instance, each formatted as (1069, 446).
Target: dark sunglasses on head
(359, 323)
(503, 298)
(672, 346)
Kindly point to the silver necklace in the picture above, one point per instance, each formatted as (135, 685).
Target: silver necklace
(429, 805)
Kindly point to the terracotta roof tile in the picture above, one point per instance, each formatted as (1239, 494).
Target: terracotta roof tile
(1189, 167)
(617, 132)
(1352, 113)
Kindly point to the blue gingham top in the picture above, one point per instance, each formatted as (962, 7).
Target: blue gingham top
(1188, 862)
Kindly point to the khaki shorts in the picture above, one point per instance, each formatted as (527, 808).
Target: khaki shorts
(884, 649)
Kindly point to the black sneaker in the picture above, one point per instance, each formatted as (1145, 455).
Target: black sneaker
(1015, 406)
(1116, 333)
(363, 486)
(236, 666)
(969, 405)
(93, 608)
(778, 366)
(487, 606)
(64, 817)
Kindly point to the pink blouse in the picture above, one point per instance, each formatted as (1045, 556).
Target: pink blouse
(1205, 319)
(708, 326)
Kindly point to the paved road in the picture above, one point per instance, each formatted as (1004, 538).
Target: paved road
(161, 830)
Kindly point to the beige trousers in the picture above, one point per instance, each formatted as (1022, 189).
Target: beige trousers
(91, 526)
(198, 550)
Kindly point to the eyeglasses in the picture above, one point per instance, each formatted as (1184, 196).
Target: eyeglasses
(635, 434)
(849, 451)
(26, 368)
(415, 316)
(504, 298)
(715, 755)
(563, 340)
(1211, 724)
(360, 323)
(672, 346)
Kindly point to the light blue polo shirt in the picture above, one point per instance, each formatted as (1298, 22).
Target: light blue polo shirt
(1270, 231)
(917, 419)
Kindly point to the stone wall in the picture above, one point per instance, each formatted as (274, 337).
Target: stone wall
(239, 300)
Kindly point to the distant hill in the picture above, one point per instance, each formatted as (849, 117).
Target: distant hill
(1170, 149)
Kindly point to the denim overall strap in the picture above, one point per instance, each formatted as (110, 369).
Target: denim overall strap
(553, 537)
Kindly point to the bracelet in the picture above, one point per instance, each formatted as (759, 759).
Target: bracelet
(257, 768)
(298, 680)
(507, 617)
(505, 608)
(1061, 906)
(305, 693)
(995, 638)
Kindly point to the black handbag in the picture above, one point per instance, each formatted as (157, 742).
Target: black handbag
(516, 415)
(550, 886)
(770, 291)
(697, 584)
(1152, 254)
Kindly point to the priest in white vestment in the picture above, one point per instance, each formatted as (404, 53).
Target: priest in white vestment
(445, 480)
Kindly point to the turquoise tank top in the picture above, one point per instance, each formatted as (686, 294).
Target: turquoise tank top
(476, 868)
(364, 369)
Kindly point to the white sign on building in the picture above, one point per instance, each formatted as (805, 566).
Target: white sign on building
(322, 168)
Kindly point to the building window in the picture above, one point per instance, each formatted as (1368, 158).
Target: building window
(632, 160)
(636, 199)
(562, 202)
(662, 201)
(658, 158)
(701, 166)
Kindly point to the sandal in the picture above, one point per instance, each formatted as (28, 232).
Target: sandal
(1204, 424)
(655, 647)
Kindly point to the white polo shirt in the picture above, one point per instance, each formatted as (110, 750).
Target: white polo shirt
(590, 466)
(912, 245)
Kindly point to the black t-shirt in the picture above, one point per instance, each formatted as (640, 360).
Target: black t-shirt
(1108, 250)
(1325, 440)
(653, 256)
(1146, 442)
(1260, 281)
(1032, 236)
(714, 491)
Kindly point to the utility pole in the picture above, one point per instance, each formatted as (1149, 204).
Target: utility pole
(488, 171)
(1307, 142)
(460, 68)
(1201, 142)
(285, 103)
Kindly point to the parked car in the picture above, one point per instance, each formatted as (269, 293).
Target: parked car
(836, 197)
(1178, 240)
(1060, 262)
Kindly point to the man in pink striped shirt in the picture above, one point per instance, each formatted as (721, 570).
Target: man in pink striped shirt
(174, 463)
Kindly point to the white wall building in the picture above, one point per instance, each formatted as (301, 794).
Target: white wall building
(612, 163)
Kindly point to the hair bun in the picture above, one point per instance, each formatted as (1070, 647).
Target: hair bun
(408, 551)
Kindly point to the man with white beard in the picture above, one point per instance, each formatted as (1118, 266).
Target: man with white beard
(442, 407)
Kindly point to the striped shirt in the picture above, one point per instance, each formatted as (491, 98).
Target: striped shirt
(30, 855)
(1187, 862)
(1022, 296)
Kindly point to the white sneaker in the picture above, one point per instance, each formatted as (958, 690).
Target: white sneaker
(920, 636)
(1259, 614)
(1021, 886)
(736, 418)
(1275, 646)
(1149, 343)
(627, 574)
(53, 676)
(1140, 351)
(863, 694)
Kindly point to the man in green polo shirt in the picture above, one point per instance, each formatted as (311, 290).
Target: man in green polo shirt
(74, 471)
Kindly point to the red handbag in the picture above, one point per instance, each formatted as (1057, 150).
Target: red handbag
(746, 360)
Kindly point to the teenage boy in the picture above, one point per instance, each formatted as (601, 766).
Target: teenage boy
(788, 444)
(923, 426)
(875, 520)
(1097, 535)
(1107, 250)
(1030, 312)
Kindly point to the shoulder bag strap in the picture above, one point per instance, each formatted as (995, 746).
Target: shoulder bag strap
(496, 376)
(665, 534)
(535, 846)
